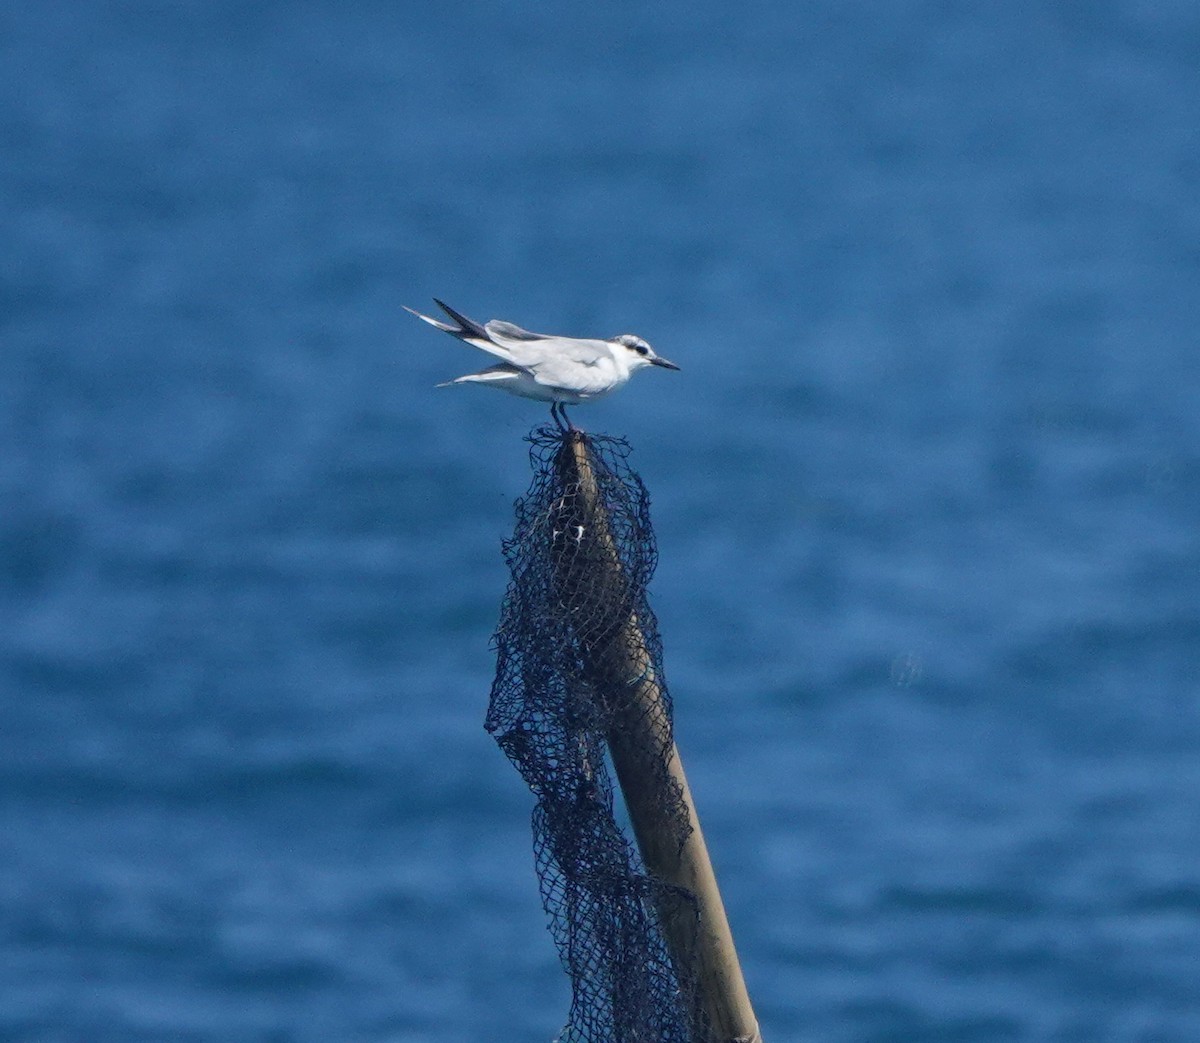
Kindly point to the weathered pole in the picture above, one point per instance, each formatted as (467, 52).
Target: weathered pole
(650, 773)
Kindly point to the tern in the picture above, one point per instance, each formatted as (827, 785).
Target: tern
(563, 371)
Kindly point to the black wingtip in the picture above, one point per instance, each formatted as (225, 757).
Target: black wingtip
(468, 325)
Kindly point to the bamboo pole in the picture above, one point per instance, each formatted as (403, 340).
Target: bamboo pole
(638, 739)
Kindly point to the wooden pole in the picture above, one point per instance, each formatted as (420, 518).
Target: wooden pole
(638, 741)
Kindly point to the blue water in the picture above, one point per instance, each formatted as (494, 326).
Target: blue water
(927, 495)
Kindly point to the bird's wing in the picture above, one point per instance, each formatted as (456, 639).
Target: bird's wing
(581, 365)
(501, 330)
(566, 352)
(501, 373)
(552, 361)
(529, 350)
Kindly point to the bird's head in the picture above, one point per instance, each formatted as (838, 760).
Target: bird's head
(639, 353)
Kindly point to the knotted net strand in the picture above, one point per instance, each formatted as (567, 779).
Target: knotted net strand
(576, 639)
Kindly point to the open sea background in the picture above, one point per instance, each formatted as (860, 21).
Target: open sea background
(927, 496)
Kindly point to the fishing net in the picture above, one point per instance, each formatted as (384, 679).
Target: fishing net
(576, 645)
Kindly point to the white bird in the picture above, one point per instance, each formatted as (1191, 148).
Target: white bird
(563, 371)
